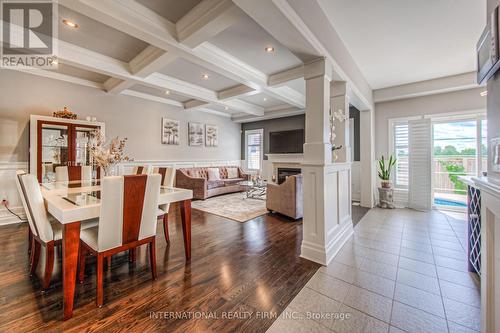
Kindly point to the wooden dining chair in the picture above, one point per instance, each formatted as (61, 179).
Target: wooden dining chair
(141, 170)
(73, 172)
(127, 220)
(44, 229)
(167, 179)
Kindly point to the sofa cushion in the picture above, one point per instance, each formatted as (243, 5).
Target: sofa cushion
(213, 173)
(232, 181)
(232, 173)
(211, 184)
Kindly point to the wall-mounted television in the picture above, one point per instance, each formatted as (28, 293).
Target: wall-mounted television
(488, 50)
(287, 142)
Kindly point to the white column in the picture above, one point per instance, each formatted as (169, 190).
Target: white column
(340, 103)
(327, 220)
(367, 158)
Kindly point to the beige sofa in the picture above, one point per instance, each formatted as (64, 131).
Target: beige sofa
(196, 179)
(286, 198)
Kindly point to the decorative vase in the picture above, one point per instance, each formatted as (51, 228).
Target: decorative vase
(109, 170)
(386, 184)
(386, 198)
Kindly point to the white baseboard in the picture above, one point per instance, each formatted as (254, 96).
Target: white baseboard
(7, 218)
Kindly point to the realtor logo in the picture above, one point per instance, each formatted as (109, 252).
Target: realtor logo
(28, 33)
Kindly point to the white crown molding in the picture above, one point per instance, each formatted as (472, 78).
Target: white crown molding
(425, 88)
(274, 114)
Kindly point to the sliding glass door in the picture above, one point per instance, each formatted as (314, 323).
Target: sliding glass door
(459, 150)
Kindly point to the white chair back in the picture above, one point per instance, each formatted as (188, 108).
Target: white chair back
(70, 173)
(32, 199)
(167, 179)
(128, 209)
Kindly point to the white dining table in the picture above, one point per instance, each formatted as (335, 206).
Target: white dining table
(71, 202)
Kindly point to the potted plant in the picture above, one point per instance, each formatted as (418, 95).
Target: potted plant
(385, 171)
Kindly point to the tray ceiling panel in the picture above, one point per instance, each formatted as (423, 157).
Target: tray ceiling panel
(172, 10)
(159, 93)
(192, 73)
(263, 100)
(247, 41)
(80, 73)
(98, 37)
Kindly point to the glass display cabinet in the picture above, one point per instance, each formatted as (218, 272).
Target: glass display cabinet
(59, 142)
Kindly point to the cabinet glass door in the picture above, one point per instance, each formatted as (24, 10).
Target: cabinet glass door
(54, 150)
(82, 146)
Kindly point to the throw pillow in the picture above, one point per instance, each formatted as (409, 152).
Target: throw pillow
(213, 174)
(232, 173)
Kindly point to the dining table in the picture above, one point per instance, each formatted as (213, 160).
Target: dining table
(71, 202)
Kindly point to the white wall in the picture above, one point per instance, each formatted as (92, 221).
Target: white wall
(464, 100)
(137, 119)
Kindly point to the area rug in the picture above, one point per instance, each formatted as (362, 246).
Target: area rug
(232, 206)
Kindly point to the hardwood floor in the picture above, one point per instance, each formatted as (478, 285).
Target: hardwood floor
(235, 268)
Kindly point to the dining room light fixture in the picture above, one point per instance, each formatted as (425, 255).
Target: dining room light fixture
(269, 49)
(205, 76)
(70, 24)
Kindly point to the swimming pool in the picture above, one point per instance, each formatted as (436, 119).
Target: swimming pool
(445, 202)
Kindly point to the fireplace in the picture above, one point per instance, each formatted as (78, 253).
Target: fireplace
(283, 173)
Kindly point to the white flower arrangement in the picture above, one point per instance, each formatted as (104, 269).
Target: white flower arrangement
(107, 155)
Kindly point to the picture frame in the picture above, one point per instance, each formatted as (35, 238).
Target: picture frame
(170, 132)
(196, 133)
(211, 135)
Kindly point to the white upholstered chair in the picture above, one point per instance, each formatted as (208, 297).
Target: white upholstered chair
(127, 220)
(72, 173)
(167, 179)
(44, 229)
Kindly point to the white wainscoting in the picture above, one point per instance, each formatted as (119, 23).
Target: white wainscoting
(8, 191)
(8, 188)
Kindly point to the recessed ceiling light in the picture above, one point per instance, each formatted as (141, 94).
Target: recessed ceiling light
(264, 99)
(226, 108)
(205, 76)
(269, 49)
(484, 93)
(70, 24)
(167, 92)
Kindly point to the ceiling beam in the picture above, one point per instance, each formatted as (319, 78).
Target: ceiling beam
(236, 91)
(61, 77)
(156, 30)
(150, 60)
(116, 86)
(425, 88)
(151, 97)
(206, 20)
(119, 71)
(281, 78)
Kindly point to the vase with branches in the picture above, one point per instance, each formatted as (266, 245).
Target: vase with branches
(107, 155)
(385, 168)
(341, 117)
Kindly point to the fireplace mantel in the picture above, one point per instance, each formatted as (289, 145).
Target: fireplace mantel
(285, 158)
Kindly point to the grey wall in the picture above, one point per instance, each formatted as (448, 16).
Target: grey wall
(272, 125)
(493, 103)
(137, 119)
(464, 100)
(291, 123)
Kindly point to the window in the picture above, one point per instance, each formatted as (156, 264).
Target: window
(253, 149)
(401, 154)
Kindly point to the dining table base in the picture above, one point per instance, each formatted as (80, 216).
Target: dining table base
(70, 247)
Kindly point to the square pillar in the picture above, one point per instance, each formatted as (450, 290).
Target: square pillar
(327, 222)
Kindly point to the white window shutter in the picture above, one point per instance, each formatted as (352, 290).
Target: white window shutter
(420, 142)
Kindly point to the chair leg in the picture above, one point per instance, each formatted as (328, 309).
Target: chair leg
(35, 256)
(165, 228)
(30, 241)
(100, 262)
(132, 255)
(81, 269)
(49, 265)
(152, 258)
